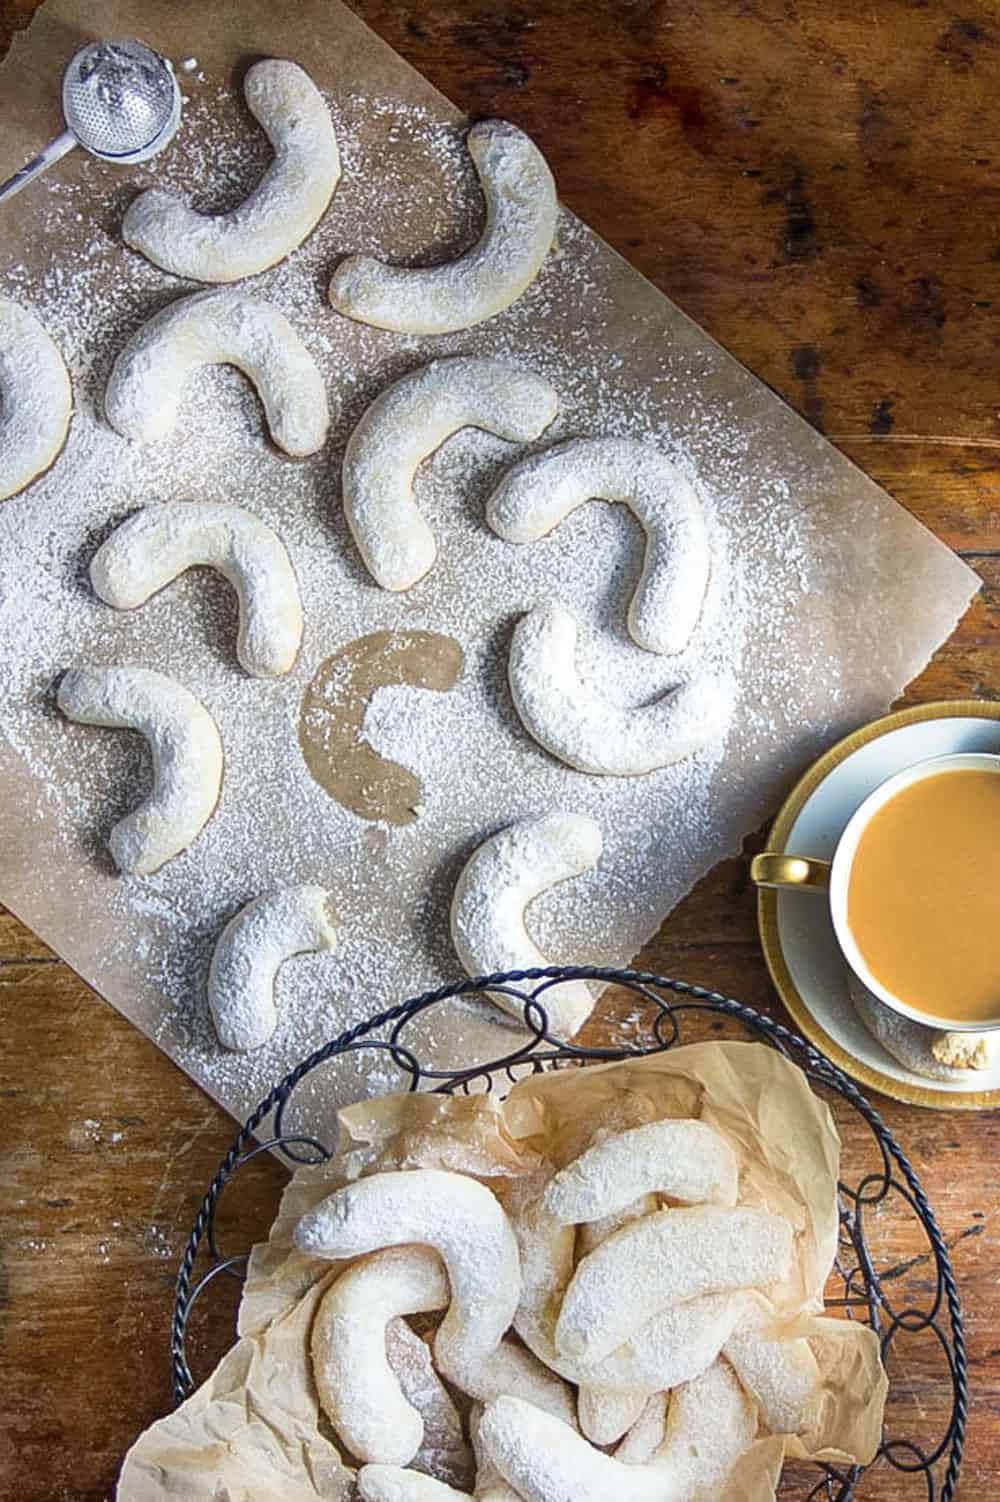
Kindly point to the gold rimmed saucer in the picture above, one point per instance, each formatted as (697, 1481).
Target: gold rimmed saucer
(795, 929)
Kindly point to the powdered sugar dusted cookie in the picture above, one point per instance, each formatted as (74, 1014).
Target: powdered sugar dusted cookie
(669, 1348)
(36, 400)
(403, 427)
(588, 732)
(282, 210)
(152, 547)
(245, 961)
(462, 1220)
(779, 1371)
(932, 1052)
(390, 1483)
(710, 1424)
(499, 881)
(357, 1387)
(144, 392)
(186, 750)
(686, 1160)
(521, 211)
(541, 490)
(662, 1260)
(444, 1450)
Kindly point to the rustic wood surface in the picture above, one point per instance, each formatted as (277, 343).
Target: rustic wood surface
(817, 185)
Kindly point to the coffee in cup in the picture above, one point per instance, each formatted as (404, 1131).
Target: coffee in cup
(914, 891)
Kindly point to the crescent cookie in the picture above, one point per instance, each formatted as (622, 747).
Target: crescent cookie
(710, 1424)
(151, 548)
(248, 953)
(590, 733)
(403, 427)
(780, 1373)
(391, 1483)
(606, 1414)
(683, 1159)
(930, 1051)
(36, 399)
(358, 1389)
(463, 1222)
(497, 884)
(186, 750)
(146, 386)
(444, 1450)
(521, 210)
(540, 491)
(282, 210)
(647, 1434)
(662, 1260)
(671, 1347)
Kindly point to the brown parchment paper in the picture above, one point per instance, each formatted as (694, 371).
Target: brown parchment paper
(836, 596)
(789, 1154)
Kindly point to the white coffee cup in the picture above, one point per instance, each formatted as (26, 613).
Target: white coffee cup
(833, 877)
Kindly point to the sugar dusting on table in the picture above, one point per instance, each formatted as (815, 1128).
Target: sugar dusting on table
(408, 192)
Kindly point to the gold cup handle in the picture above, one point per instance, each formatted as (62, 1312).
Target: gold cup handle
(772, 870)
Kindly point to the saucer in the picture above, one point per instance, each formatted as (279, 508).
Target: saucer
(806, 965)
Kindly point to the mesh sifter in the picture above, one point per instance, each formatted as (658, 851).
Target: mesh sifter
(121, 102)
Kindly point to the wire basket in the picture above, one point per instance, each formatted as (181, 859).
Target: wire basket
(905, 1295)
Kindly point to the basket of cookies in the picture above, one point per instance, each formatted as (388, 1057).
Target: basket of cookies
(677, 1274)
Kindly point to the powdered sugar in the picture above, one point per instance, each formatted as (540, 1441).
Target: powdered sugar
(408, 192)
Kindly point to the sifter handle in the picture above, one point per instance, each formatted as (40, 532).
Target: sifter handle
(53, 152)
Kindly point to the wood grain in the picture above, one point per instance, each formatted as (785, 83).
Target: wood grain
(816, 185)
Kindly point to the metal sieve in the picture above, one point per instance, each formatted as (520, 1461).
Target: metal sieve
(121, 102)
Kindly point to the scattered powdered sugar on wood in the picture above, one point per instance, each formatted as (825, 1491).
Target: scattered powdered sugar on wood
(408, 193)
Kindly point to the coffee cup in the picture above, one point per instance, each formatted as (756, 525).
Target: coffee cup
(911, 893)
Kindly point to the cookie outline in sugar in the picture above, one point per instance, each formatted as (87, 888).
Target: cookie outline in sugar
(36, 398)
(254, 944)
(358, 1390)
(591, 734)
(186, 750)
(332, 718)
(462, 1221)
(540, 491)
(499, 881)
(151, 548)
(276, 216)
(403, 427)
(146, 387)
(521, 213)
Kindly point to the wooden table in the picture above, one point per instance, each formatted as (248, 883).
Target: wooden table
(818, 186)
